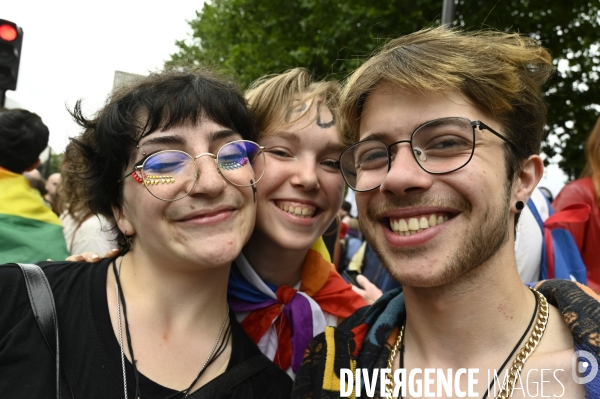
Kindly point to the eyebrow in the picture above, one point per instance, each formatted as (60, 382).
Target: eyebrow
(296, 138)
(377, 136)
(222, 134)
(179, 140)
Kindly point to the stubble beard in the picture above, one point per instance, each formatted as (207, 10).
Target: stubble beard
(480, 243)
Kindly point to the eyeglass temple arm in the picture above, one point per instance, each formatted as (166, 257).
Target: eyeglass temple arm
(138, 167)
(482, 126)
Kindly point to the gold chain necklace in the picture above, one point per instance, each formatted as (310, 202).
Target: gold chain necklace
(519, 362)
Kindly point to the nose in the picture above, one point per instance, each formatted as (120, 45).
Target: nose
(209, 181)
(405, 175)
(305, 175)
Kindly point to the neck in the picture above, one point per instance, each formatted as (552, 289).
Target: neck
(275, 265)
(487, 311)
(182, 296)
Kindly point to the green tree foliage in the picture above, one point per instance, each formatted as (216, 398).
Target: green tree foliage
(254, 37)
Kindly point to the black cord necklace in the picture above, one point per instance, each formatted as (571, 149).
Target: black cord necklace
(516, 346)
(216, 352)
(401, 349)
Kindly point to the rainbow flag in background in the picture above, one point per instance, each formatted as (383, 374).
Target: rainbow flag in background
(29, 230)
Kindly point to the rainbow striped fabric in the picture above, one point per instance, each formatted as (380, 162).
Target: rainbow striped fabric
(29, 230)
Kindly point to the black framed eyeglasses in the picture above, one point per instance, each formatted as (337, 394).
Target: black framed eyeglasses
(171, 175)
(439, 146)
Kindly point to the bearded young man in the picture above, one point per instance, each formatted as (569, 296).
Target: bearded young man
(447, 128)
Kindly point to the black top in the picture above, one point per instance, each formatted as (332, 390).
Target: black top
(89, 350)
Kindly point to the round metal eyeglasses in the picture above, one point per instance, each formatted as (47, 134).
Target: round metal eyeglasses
(171, 175)
(439, 146)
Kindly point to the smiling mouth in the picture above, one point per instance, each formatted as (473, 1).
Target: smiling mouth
(297, 209)
(414, 225)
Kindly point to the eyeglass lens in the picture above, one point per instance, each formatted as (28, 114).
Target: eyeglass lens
(171, 175)
(439, 146)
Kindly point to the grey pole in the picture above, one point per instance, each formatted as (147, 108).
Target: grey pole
(448, 12)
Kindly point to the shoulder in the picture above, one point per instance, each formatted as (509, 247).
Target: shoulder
(579, 307)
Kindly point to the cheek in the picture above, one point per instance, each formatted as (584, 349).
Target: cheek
(362, 203)
(334, 189)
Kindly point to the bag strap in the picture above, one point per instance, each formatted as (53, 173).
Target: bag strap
(544, 270)
(233, 377)
(44, 311)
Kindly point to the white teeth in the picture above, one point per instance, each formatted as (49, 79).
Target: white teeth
(305, 211)
(415, 225)
(298, 211)
(402, 225)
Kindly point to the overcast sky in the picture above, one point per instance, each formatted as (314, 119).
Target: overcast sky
(71, 50)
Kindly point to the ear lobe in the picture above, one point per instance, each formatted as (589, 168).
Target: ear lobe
(122, 221)
(527, 179)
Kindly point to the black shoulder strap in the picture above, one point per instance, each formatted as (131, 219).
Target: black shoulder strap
(233, 377)
(44, 311)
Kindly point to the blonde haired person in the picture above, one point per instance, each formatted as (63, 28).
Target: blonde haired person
(586, 190)
(284, 290)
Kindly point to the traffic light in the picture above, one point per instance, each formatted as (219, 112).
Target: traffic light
(11, 39)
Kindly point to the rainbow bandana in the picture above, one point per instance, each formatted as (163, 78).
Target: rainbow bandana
(29, 230)
(297, 322)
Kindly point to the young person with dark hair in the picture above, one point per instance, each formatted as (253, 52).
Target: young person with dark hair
(169, 163)
(29, 230)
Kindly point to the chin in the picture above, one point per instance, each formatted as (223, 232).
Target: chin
(295, 242)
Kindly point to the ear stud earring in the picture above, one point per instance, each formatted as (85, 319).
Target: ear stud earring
(520, 205)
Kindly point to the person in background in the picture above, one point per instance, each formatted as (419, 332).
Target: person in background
(29, 230)
(51, 196)
(586, 190)
(344, 209)
(169, 162)
(84, 231)
(528, 241)
(37, 182)
(547, 193)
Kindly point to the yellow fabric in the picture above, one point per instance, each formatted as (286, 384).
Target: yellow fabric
(357, 260)
(17, 198)
(331, 381)
(321, 248)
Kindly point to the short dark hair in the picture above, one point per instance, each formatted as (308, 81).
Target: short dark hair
(95, 161)
(347, 206)
(23, 137)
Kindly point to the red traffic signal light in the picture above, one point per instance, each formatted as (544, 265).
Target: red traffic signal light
(11, 39)
(8, 32)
